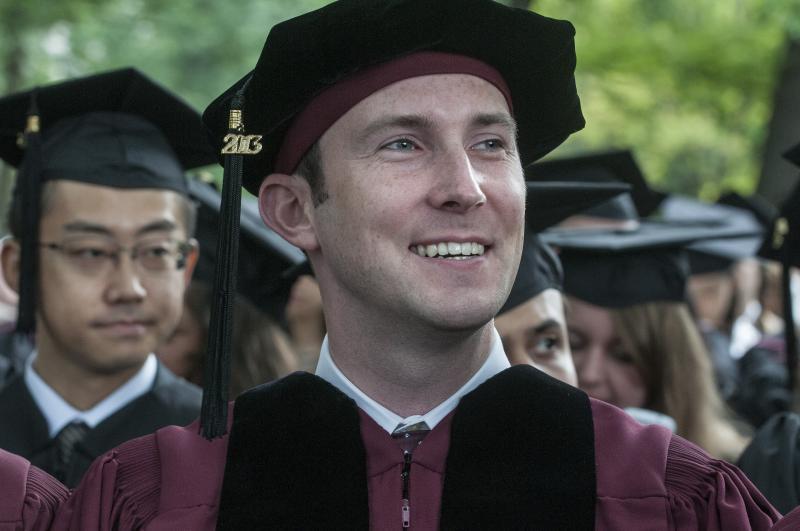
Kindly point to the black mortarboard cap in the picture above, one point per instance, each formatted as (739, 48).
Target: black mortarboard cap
(782, 243)
(709, 254)
(793, 155)
(764, 211)
(617, 280)
(549, 203)
(265, 256)
(618, 268)
(539, 269)
(616, 165)
(534, 54)
(117, 129)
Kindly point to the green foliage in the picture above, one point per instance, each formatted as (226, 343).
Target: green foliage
(687, 84)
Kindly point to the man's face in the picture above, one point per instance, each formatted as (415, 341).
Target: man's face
(535, 333)
(425, 165)
(105, 319)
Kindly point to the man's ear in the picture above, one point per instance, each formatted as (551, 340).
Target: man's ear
(284, 202)
(10, 259)
(190, 261)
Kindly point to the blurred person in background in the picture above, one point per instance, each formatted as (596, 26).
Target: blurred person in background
(531, 323)
(632, 336)
(260, 350)
(772, 460)
(305, 320)
(101, 255)
(643, 350)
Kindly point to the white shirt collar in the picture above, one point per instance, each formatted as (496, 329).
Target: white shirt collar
(58, 413)
(328, 371)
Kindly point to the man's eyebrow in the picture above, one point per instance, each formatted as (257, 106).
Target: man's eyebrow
(102, 230)
(411, 121)
(545, 325)
(499, 118)
(86, 226)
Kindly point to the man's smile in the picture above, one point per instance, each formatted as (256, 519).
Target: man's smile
(450, 250)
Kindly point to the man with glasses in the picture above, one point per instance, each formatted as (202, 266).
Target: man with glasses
(102, 277)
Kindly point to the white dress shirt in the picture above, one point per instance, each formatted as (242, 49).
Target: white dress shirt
(388, 420)
(58, 413)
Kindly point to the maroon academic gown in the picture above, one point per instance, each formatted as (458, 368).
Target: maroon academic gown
(29, 496)
(790, 522)
(646, 478)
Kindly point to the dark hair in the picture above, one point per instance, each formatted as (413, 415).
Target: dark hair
(188, 206)
(261, 351)
(310, 169)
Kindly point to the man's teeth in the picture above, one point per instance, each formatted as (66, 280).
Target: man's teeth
(450, 249)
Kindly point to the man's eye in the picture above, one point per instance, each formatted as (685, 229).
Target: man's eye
(156, 251)
(401, 144)
(545, 346)
(88, 253)
(621, 356)
(492, 144)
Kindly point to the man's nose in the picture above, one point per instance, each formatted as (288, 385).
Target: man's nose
(125, 281)
(458, 186)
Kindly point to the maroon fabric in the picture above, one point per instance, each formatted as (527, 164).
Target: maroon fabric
(29, 497)
(166, 481)
(330, 104)
(384, 464)
(790, 522)
(646, 479)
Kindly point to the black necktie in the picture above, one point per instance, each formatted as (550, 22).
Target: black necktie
(65, 442)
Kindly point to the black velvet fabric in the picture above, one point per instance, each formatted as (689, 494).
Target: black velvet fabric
(619, 280)
(616, 165)
(118, 91)
(304, 55)
(295, 459)
(539, 269)
(521, 456)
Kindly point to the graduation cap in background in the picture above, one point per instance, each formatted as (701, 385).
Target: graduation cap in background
(624, 277)
(764, 211)
(615, 165)
(548, 204)
(267, 121)
(782, 244)
(265, 256)
(709, 254)
(617, 268)
(117, 129)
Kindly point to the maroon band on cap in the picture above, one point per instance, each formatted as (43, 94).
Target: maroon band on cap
(330, 104)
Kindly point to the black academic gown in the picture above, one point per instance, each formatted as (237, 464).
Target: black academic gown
(23, 428)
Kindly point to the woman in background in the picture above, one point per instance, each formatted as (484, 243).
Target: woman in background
(651, 355)
(261, 350)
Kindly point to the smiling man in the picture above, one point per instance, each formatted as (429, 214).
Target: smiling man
(388, 144)
(112, 255)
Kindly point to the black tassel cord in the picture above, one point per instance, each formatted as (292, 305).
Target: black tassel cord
(29, 182)
(214, 412)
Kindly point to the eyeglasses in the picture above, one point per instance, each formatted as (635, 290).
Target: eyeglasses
(97, 257)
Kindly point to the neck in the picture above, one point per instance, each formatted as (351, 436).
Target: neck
(407, 371)
(78, 387)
